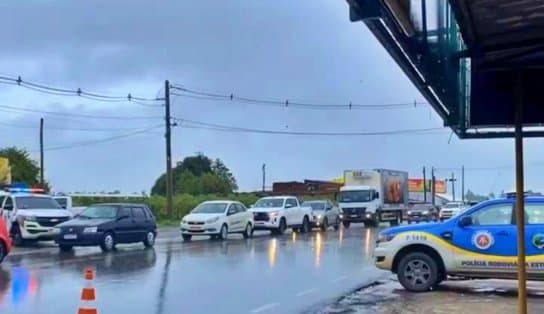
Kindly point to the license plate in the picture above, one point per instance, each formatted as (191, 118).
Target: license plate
(70, 236)
(353, 216)
(195, 227)
(259, 223)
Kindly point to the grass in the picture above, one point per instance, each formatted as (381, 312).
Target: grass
(165, 222)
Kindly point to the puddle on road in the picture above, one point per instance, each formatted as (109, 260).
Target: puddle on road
(388, 297)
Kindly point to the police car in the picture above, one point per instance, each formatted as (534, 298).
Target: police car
(30, 214)
(478, 243)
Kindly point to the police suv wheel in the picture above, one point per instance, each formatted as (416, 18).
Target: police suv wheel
(417, 272)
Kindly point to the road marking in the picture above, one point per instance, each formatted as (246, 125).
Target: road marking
(265, 307)
(305, 292)
(341, 278)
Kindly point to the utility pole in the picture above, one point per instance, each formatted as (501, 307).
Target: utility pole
(264, 177)
(42, 181)
(168, 136)
(463, 184)
(424, 186)
(452, 180)
(433, 185)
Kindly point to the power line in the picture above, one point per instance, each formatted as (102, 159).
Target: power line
(220, 127)
(103, 140)
(87, 116)
(201, 95)
(55, 128)
(77, 92)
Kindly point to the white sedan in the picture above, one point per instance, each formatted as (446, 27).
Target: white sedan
(217, 219)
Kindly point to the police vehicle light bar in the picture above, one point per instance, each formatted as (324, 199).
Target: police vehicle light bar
(23, 188)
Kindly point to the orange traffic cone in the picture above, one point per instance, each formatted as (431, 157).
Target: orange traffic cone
(88, 294)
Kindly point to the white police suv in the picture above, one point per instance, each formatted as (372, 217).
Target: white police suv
(478, 243)
(31, 215)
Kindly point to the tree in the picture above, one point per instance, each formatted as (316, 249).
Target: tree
(472, 197)
(198, 175)
(23, 168)
(219, 168)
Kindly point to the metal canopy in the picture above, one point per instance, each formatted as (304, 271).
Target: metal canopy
(465, 56)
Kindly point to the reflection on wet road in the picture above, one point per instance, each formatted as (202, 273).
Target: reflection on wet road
(286, 274)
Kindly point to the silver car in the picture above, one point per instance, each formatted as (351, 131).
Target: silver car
(324, 214)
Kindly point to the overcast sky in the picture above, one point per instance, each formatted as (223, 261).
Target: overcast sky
(303, 50)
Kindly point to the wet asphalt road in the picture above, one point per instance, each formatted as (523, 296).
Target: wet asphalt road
(286, 274)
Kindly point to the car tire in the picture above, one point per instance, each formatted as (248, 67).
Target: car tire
(248, 232)
(65, 247)
(3, 251)
(325, 224)
(337, 224)
(346, 224)
(305, 228)
(417, 272)
(186, 237)
(108, 242)
(16, 236)
(149, 239)
(223, 233)
(281, 228)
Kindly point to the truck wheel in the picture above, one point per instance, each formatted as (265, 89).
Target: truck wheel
(16, 236)
(346, 224)
(417, 272)
(325, 224)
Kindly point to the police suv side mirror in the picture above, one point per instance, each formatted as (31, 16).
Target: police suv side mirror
(465, 221)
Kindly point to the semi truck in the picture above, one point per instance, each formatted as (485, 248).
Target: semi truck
(373, 196)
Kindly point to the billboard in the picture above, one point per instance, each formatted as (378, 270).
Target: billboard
(416, 185)
(394, 186)
(5, 171)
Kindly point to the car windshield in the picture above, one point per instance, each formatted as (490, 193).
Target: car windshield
(269, 202)
(454, 205)
(421, 207)
(99, 212)
(35, 202)
(315, 205)
(210, 208)
(354, 196)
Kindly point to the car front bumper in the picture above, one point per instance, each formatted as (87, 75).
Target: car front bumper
(273, 223)
(205, 229)
(357, 217)
(83, 239)
(34, 231)
(383, 257)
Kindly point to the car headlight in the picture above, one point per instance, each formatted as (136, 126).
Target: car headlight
(273, 214)
(385, 237)
(90, 230)
(425, 212)
(28, 218)
(409, 212)
(212, 220)
(341, 216)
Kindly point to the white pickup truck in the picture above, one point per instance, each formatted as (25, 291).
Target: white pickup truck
(277, 213)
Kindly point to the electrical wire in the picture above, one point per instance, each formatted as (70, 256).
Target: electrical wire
(56, 128)
(74, 115)
(189, 93)
(220, 127)
(98, 141)
(74, 92)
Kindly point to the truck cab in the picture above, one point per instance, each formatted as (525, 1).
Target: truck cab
(480, 242)
(358, 203)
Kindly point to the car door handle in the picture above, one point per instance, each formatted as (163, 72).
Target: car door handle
(503, 233)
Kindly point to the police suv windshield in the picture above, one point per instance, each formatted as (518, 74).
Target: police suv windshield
(354, 196)
(32, 202)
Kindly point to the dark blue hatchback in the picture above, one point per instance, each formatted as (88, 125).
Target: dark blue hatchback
(107, 225)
